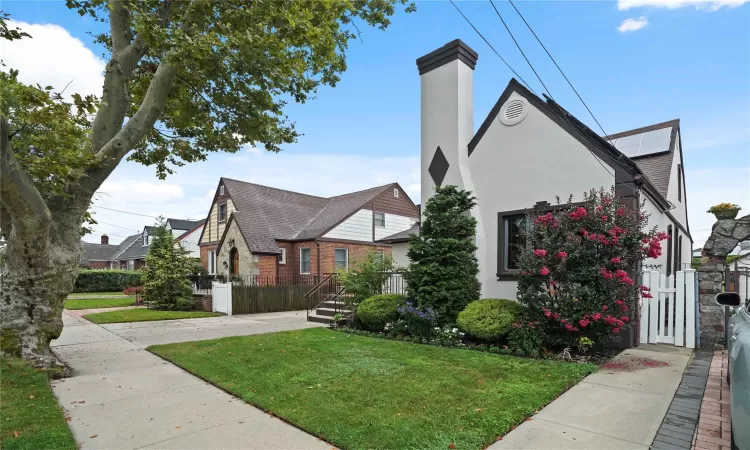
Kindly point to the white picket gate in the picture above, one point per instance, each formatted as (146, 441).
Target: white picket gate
(669, 316)
(222, 298)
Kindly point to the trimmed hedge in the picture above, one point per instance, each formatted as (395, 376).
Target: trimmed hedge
(106, 280)
(489, 319)
(378, 310)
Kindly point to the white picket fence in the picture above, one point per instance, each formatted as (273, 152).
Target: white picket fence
(222, 298)
(669, 316)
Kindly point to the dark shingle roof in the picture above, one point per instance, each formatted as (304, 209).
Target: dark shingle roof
(126, 244)
(265, 214)
(658, 167)
(97, 252)
(402, 236)
(137, 251)
(179, 224)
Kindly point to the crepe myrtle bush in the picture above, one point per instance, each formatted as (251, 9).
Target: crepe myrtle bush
(578, 268)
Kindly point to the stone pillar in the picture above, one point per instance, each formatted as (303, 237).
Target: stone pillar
(725, 235)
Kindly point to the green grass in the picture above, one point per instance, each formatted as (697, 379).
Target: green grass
(30, 417)
(362, 392)
(96, 294)
(144, 315)
(99, 303)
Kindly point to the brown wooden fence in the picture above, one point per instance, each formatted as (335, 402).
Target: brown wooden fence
(263, 298)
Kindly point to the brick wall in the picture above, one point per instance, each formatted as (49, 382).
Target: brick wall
(289, 268)
(266, 266)
(204, 254)
(139, 264)
(98, 265)
(357, 252)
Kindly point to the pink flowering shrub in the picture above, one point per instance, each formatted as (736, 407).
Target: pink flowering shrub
(578, 268)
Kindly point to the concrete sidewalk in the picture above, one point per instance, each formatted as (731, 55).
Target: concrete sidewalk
(123, 397)
(620, 407)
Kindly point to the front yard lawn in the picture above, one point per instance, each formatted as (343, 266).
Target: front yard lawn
(144, 315)
(362, 392)
(96, 294)
(30, 417)
(99, 303)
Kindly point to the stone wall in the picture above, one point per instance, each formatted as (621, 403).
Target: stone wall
(247, 264)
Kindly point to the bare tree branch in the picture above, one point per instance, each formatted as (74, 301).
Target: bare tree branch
(18, 196)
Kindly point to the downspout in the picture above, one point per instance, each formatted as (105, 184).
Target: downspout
(639, 282)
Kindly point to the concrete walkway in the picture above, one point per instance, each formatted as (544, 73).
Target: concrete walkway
(123, 397)
(619, 407)
(83, 312)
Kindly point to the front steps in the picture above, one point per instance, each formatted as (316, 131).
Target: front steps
(326, 310)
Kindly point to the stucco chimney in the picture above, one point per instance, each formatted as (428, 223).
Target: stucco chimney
(447, 110)
(105, 239)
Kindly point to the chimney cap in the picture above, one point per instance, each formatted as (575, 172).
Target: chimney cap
(456, 49)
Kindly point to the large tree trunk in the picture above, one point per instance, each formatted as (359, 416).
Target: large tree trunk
(37, 277)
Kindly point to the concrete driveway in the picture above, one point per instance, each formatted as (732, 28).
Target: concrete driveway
(123, 397)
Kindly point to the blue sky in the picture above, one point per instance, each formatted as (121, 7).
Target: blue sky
(683, 59)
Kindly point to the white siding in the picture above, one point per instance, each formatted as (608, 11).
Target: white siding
(190, 243)
(393, 224)
(513, 168)
(358, 227)
(398, 253)
(680, 211)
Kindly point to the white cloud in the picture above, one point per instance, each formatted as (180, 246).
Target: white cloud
(140, 191)
(51, 56)
(631, 24)
(704, 5)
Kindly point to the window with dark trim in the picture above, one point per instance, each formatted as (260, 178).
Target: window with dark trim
(511, 241)
(222, 212)
(341, 259)
(679, 182)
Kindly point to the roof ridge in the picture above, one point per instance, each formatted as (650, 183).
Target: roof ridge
(274, 188)
(363, 190)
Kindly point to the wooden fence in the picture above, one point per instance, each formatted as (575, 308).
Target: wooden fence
(263, 298)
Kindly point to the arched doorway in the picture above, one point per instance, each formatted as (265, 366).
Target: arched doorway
(725, 236)
(234, 262)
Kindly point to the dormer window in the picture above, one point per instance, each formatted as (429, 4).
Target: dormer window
(145, 239)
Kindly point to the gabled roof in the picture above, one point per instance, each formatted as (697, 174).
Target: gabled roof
(179, 224)
(97, 252)
(265, 214)
(594, 142)
(402, 236)
(126, 244)
(191, 231)
(134, 252)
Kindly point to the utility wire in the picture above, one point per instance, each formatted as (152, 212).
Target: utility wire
(125, 212)
(118, 226)
(519, 49)
(493, 48)
(604, 134)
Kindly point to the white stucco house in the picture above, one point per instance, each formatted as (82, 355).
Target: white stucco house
(529, 151)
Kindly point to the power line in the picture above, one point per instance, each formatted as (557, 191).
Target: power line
(519, 49)
(561, 71)
(493, 48)
(125, 212)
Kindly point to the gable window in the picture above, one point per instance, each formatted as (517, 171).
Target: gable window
(222, 212)
(221, 190)
(679, 182)
(395, 193)
(304, 260)
(282, 256)
(342, 259)
(379, 219)
(511, 240)
(145, 239)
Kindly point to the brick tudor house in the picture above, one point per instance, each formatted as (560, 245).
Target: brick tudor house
(255, 230)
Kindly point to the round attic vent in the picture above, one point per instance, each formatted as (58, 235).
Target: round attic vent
(513, 111)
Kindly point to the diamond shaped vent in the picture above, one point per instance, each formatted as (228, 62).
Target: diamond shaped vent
(438, 167)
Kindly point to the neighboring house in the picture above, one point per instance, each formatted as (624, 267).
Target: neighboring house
(528, 152)
(260, 230)
(134, 256)
(104, 255)
(400, 245)
(187, 233)
(697, 252)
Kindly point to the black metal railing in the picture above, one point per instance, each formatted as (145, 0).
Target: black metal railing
(327, 290)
